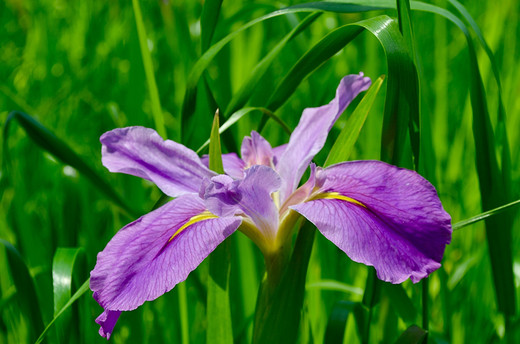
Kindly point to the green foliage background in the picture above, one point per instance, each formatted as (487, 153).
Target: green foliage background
(77, 68)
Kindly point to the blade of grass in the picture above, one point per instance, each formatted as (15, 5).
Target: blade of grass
(188, 106)
(183, 310)
(413, 335)
(25, 290)
(215, 154)
(235, 117)
(333, 285)
(502, 142)
(484, 215)
(149, 72)
(402, 96)
(416, 129)
(339, 317)
(208, 21)
(406, 28)
(84, 288)
(44, 138)
(62, 277)
(401, 301)
(248, 87)
(348, 136)
(218, 308)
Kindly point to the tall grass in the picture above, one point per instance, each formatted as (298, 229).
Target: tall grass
(73, 70)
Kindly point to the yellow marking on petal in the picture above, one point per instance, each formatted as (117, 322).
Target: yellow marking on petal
(276, 198)
(197, 218)
(336, 195)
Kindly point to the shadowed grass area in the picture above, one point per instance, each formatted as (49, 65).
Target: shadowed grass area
(74, 70)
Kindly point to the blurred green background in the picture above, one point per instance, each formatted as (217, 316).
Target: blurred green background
(77, 67)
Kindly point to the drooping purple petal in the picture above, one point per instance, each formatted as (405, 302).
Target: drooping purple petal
(256, 150)
(233, 165)
(401, 228)
(311, 133)
(107, 320)
(149, 256)
(250, 196)
(141, 152)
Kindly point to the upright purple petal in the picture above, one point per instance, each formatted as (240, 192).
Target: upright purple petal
(256, 150)
(141, 152)
(381, 215)
(311, 133)
(150, 256)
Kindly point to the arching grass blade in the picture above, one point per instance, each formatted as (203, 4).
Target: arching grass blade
(44, 138)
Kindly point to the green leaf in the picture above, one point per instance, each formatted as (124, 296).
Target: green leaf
(402, 94)
(338, 320)
(348, 136)
(413, 335)
(149, 71)
(218, 308)
(84, 288)
(63, 269)
(406, 28)
(484, 215)
(183, 310)
(208, 21)
(188, 105)
(310, 61)
(215, 154)
(278, 312)
(235, 117)
(501, 142)
(493, 193)
(401, 301)
(248, 87)
(334, 286)
(25, 291)
(44, 138)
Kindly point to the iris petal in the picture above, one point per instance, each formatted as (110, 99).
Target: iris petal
(256, 150)
(107, 321)
(250, 196)
(311, 133)
(141, 152)
(381, 215)
(150, 256)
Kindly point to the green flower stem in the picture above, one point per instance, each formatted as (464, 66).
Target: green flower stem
(266, 305)
(281, 294)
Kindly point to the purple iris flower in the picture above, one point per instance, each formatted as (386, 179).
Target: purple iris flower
(379, 215)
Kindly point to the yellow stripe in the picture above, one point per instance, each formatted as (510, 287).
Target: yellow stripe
(197, 218)
(336, 195)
